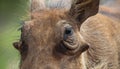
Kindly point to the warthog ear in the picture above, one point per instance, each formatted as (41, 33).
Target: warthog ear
(37, 5)
(17, 45)
(82, 9)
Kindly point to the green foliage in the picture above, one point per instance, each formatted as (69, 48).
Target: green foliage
(8, 54)
(12, 12)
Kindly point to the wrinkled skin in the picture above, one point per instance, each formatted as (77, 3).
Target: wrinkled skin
(66, 39)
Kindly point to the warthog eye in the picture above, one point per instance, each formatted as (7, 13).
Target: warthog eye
(68, 31)
(69, 38)
(69, 43)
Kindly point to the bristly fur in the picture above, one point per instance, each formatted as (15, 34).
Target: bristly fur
(58, 3)
(50, 4)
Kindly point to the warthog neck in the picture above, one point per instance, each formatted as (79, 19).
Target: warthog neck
(102, 52)
(98, 61)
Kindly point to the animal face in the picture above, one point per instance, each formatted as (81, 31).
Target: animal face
(52, 39)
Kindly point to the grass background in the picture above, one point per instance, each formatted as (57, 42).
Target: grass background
(12, 13)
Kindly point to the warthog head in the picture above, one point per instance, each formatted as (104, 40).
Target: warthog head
(51, 39)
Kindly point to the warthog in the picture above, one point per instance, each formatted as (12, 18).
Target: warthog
(69, 34)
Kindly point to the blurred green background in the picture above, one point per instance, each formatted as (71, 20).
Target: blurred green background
(12, 14)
